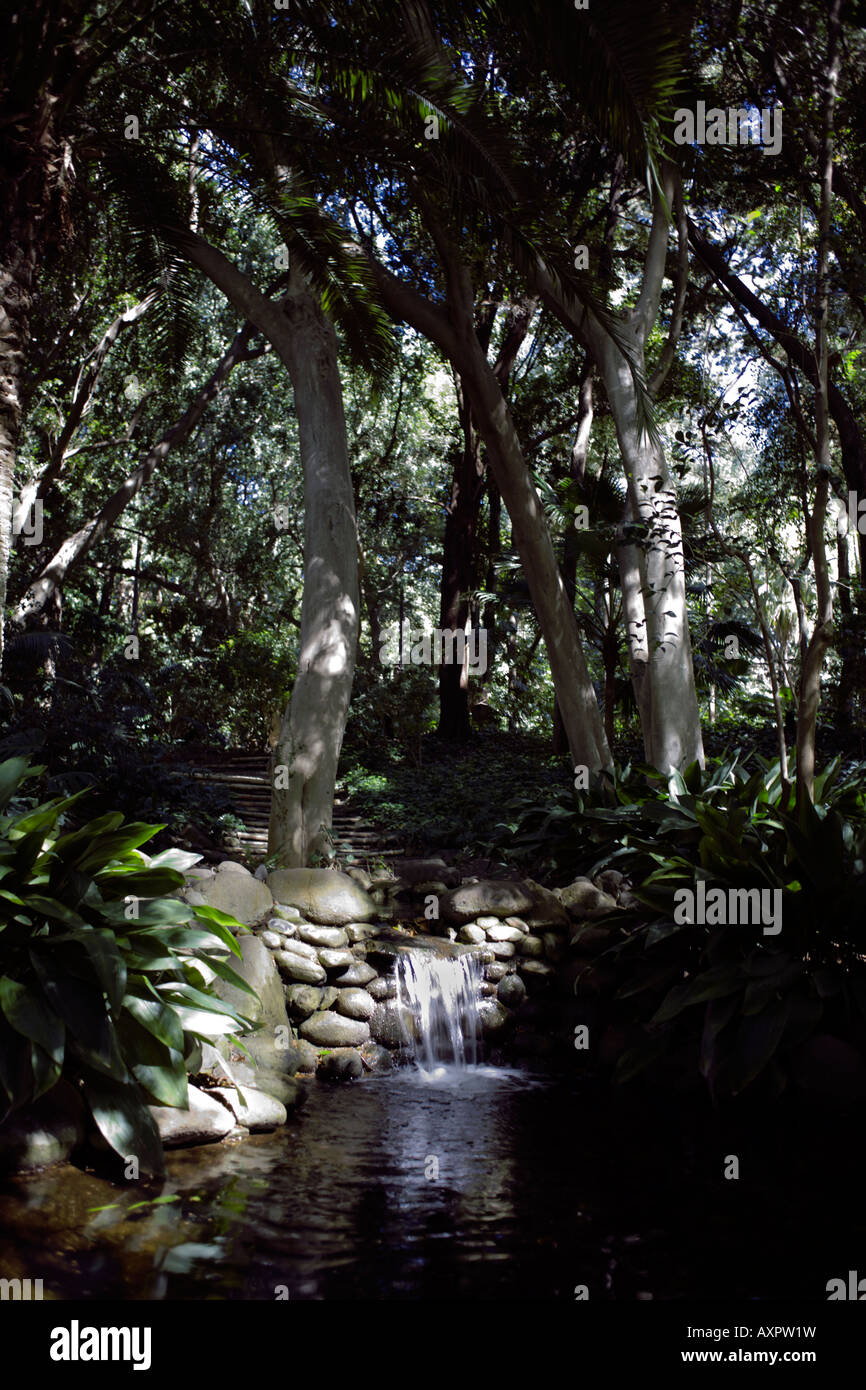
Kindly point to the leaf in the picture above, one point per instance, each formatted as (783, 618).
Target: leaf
(124, 1120)
(757, 1038)
(12, 774)
(158, 1018)
(28, 1013)
(714, 983)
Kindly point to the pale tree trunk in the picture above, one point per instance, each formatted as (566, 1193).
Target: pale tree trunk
(305, 759)
(454, 333)
(304, 762)
(628, 559)
(669, 710)
(819, 642)
(672, 738)
(16, 293)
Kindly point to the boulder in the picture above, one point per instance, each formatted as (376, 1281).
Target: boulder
(308, 1057)
(531, 946)
(298, 970)
(329, 1029)
(360, 931)
(502, 898)
(358, 973)
(383, 987)
(252, 1108)
(495, 971)
(355, 1003)
(322, 895)
(300, 948)
(335, 960)
(416, 872)
(234, 890)
(303, 1000)
(289, 1092)
(582, 899)
(204, 1122)
(322, 936)
(391, 1024)
(344, 1064)
(501, 932)
(376, 1058)
(473, 933)
(257, 966)
(44, 1132)
(511, 991)
(493, 1015)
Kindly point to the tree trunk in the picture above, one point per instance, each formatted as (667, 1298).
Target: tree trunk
(311, 734)
(458, 572)
(672, 737)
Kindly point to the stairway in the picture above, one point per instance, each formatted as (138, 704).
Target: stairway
(244, 777)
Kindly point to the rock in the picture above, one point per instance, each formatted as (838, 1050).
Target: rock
(496, 897)
(547, 910)
(376, 1058)
(360, 931)
(193, 898)
(361, 876)
(335, 960)
(329, 997)
(45, 1132)
(517, 922)
(299, 970)
(420, 872)
(611, 882)
(303, 1000)
(258, 967)
(322, 895)
(582, 899)
(289, 1092)
(503, 950)
(382, 958)
(308, 1057)
(289, 914)
(531, 946)
(511, 991)
(271, 939)
(590, 941)
(504, 933)
(535, 969)
(281, 927)
(342, 1065)
(391, 1025)
(382, 988)
(495, 971)
(358, 973)
(355, 1003)
(261, 873)
(204, 1122)
(300, 948)
(473, 933)
(493, 1016)
(487, 922)
(233, 890)
(322, 936)
(252, 1108)
(331, 1029)
(487, 989)
(554, 946)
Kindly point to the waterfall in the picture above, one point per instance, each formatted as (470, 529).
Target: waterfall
(441, 993)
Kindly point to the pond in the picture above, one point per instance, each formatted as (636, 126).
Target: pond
(475, 1183)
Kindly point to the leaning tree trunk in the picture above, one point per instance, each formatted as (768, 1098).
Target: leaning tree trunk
(308, 749)
(458, 571)
(16, 292)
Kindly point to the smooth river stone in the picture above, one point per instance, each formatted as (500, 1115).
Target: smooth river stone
(334, 960)
(331, 1029)
(382, 988)
(358, 973)
(503, 950)
(322, 936)
(473, 933)
(299, 948)
(504, 933)
(355, 1003)
(531, 946)
(303, 1000)
(300, 970)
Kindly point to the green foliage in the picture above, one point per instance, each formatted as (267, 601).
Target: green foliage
(99, 969)
(724, 1001)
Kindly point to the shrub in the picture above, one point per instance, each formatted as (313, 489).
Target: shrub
(98, 967)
